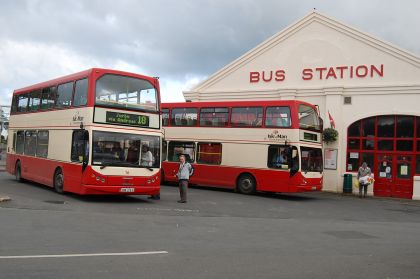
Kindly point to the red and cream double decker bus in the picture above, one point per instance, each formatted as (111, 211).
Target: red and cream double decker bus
(93, 132)
(272, 146)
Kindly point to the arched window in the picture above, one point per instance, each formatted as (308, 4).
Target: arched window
(391, 134)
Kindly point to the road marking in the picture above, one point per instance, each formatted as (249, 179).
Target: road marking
(168, 209)
(84, 255)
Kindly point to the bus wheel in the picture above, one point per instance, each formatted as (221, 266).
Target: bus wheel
(59, 181)
(246, 184)
(18, 172)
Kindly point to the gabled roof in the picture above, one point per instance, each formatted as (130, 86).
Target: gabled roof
(314, 16)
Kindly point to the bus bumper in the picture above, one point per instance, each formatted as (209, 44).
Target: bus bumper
(308, 188)
(119, 190)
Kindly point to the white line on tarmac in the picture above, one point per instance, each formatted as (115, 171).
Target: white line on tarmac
(84, 255)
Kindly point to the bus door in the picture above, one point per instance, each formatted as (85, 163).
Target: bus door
(73, 174)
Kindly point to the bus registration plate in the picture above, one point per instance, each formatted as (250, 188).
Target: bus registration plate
(127, 190)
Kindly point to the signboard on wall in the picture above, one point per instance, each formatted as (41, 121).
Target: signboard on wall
(330, 158)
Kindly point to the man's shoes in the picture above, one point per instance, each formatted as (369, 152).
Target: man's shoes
(181, 201)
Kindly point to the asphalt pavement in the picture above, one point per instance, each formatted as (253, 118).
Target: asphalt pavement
(217, 234)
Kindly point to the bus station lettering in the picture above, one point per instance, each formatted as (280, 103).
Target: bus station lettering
(321, 73)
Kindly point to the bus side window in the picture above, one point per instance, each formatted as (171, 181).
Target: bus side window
(20, 139)
(176, 148)
(164, 150)
(278, 157)
(81, 92)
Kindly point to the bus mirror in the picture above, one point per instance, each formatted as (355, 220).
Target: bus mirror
(85, 157)
(294, 153)
(85, 163)
(294, 169)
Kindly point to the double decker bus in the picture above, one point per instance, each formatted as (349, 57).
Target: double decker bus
(248, 146)
(93, 132)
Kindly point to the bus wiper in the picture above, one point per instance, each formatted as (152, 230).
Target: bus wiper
(105, 164)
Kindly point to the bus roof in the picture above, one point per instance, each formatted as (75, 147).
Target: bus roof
(236, 104)
(75, 76)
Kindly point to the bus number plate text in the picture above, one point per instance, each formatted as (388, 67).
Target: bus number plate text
(127, 190)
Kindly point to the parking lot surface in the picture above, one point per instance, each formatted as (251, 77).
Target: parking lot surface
(217, 234)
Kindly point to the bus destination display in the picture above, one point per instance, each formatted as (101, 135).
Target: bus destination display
(127, 119)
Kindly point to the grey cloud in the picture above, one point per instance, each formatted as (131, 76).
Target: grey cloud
(174, 39)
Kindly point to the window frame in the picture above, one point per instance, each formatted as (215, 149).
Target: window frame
(168, 118)
(44, 155)
(25, 95)
(218, 162)
(259, 120)
(277, 126)
(215, 113)
(271, 162)
(76, 82)
(174, 113)
(123, 105)
(30, 143)
(171, 154)
(57, 104)
(20, 146)
(52, 91)
(35, 94)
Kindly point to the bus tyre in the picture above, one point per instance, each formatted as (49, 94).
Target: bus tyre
(18, 172)
(246, 184)
(59, 181)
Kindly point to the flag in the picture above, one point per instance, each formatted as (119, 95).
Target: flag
(332, 123)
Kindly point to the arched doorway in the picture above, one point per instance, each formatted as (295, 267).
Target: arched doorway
(390, 144)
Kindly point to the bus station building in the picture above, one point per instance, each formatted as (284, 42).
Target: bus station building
(368, 89)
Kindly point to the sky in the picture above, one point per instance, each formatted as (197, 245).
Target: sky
(183, 41)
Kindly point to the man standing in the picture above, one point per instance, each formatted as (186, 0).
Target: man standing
(184, 172)
(363, 176)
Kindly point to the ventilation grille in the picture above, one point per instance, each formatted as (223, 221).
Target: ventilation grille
(347, 100)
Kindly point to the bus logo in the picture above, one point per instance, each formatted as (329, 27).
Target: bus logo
(77, 117)
(275, 135)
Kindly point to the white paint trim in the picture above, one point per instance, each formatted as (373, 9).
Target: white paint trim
(276, 94)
